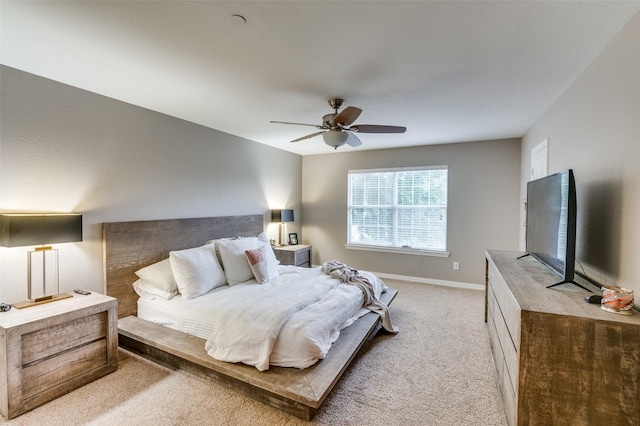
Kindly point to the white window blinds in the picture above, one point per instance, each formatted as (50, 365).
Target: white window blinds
(398, 208)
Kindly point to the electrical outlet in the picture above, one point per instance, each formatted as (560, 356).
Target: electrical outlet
(456, 266)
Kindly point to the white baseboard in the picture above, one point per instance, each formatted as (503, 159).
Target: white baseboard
(433, 281)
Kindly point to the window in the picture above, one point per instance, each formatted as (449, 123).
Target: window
(398, 209)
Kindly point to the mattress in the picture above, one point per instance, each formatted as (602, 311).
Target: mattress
(305, 337)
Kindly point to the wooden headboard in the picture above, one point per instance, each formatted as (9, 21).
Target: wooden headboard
(129, 246)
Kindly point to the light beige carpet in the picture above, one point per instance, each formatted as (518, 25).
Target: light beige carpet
(436, 371)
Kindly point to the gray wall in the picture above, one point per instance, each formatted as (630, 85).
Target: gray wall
(483, 206)
(594, 128)
(67, 150)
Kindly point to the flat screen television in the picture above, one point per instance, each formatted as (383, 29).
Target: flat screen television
(551, 224)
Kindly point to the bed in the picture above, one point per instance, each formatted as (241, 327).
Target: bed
(130, 246)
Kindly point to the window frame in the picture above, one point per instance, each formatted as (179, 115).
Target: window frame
(393, 249)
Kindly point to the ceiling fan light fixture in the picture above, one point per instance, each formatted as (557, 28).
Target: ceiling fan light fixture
(335, 138)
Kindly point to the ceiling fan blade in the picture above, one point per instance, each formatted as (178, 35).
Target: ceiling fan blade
(308, 136)
(347, 116)
(372, 128)
(353, 140)
(299, 124)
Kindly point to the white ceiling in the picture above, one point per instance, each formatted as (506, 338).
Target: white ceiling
(449, 71)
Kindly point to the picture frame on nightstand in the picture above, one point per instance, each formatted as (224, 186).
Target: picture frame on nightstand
(293, 238)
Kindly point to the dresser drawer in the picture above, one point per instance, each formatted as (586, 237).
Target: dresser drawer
(508, 399)
(507, 303)
(496, 349)
(506, 345)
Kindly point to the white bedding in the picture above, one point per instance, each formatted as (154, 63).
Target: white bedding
(306, 335)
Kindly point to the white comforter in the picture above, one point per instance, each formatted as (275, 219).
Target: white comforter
(291, 321)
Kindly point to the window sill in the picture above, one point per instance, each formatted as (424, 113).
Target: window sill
(398, 250)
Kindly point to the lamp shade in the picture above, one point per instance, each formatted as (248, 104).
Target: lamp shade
(18, 230)
(281, 215)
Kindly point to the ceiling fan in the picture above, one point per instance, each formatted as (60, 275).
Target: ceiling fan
(337, 129)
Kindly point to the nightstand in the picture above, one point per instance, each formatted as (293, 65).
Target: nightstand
(54, 348)
(297, 255)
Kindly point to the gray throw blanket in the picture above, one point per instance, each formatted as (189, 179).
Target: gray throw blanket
(349, 275)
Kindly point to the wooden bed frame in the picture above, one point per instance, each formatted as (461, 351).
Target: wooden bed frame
(129, 246)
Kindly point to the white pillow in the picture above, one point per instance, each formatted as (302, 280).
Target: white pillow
(262, 268)
(196, 270)
(159, 275)
(216, 243)
(149, 291)
(234, 261)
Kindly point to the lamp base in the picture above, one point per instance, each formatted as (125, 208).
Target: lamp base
(41, 300)
(283, 234)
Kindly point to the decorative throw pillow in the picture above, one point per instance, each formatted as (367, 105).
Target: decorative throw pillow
(234, 261)
(158, 275)
(196, 270)
(263, 269)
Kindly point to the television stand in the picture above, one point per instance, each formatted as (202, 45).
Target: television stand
(557, 359)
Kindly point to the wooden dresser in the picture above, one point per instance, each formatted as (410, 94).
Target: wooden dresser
(51, 349)
(558, 359)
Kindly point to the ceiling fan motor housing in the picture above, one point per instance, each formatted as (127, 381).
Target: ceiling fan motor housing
(328, 121)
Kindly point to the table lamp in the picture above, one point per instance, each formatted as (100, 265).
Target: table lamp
(282, 216)
(24, 229)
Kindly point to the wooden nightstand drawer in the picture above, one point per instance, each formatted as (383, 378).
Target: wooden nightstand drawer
(47, 373)
(52, 340)
(297, 255)
(302, 257)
